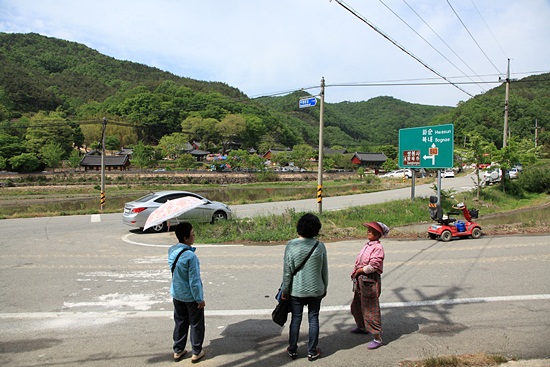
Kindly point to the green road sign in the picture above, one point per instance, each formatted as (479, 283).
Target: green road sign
(427, 147)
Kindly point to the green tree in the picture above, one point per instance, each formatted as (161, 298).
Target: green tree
(47, 128)
(328, 163)
(186, 161)
(389, 165)
(200, 129)
(142, 155)
(74, 159)
(256, 162)
(267, 142)
(237, 159)
(10, 146)
(255, 129)
(343, 161)
(51, 155)
(112, 143)
(281, 158)
(301, 155)
(25, 162)
(173, 145)
(231, 127)
(478, 151)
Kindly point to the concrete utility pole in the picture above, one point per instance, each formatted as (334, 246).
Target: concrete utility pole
(505, 135)
(320, 172)
(102, 195)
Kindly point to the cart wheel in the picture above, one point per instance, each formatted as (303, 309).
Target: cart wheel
(432, 236)
(446, 236)
(476, 232)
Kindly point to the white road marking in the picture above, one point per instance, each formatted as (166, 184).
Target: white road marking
(95, 218)
(254, 312)
(126, 238)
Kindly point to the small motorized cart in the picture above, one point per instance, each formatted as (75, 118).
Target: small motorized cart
(447, 227)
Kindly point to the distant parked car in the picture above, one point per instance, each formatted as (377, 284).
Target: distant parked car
(400, 173)
(493, 176)
(514, 173)
(448, 173)
(136, 212)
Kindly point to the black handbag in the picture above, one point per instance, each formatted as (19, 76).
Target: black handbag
(280, 313)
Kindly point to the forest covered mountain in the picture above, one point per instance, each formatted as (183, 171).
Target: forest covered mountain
(46, 80)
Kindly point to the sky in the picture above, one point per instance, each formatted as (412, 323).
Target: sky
(268, 47)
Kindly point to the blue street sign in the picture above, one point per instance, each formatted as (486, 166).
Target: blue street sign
(308, 102)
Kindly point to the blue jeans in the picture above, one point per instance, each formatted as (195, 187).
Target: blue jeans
(297, 309)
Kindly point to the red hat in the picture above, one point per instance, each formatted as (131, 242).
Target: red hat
(378, 227)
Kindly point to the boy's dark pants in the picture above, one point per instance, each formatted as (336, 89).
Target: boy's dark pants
(187, 315)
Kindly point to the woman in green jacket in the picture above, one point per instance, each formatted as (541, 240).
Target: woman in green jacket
(308, 286)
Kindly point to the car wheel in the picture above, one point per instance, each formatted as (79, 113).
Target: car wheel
(219, 215)
(446, 236)
(476, 233)
(158, 228)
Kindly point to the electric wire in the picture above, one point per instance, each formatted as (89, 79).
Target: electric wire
(472, 36)
(386, 83)
(425, 40)
(395, 43)
(442, 40)
(486, 25)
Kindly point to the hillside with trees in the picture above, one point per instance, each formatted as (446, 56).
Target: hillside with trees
(55, 93)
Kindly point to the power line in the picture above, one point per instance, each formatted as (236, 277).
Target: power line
(473, 38)
(425, 40)
(399, 83)
(442, 40)
(367, 22)
(486, 25)
(391, 83)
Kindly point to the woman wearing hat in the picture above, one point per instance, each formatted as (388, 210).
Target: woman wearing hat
(365, 306)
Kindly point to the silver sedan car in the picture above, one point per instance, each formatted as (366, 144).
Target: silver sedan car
(136, 212)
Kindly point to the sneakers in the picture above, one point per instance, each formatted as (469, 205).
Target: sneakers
(197, 357)
(179, 356)
(375, 344)
(291, 354)
(358, 331)
(313, 357)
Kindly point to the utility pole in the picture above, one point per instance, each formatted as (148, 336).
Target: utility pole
(102, 195)
(505, 135)
(320, 171)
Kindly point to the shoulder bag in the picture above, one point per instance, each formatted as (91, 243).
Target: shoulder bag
(176, 260)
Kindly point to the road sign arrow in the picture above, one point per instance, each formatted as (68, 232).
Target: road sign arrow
(432, 157)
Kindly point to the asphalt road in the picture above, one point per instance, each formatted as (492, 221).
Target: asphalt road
(84, 290)
(459, 184)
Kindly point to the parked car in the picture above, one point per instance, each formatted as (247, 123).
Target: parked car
(514, 173)
(447, 173)
(493, 176)
(400, 173)
(136, 212)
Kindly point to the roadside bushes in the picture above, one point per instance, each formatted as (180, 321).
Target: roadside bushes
(536, 179)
